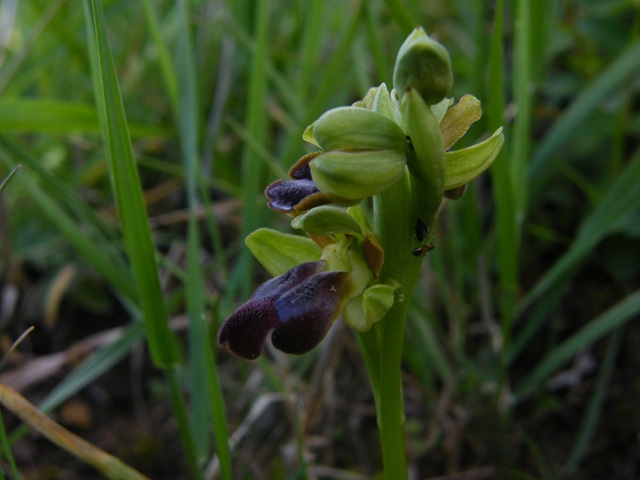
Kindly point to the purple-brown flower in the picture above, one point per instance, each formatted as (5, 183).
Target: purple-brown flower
(299, 306)
(298, 194)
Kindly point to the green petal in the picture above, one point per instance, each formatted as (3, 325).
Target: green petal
(364, 310)
(326, 220)
(458, 119)
(279, 252)
(307, 136)
(377, 300)
(468, 163)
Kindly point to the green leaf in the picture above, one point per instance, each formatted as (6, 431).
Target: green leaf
(28, 115)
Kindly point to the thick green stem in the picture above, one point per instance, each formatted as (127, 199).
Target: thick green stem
(394, 217)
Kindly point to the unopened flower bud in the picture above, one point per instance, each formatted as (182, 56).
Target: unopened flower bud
(424, 65)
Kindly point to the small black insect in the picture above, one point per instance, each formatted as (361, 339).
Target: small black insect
(422, 250)
(421, 230)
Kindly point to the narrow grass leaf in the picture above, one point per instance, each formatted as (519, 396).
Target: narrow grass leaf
(616, 316)
(6, 449)
(8, 177)
(164, 58)
(188, 126)
(503, 186)
(593, 414)
(127, 189)
(30, 115)
(101, 233)
(93, 366)
(620, 201)
(614, 76)
(256, 125)
(76, 236)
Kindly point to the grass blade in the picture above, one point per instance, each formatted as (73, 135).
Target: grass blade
(621, 200)
(616, 316)
(127, 189)
(543, 158)
(594, 410)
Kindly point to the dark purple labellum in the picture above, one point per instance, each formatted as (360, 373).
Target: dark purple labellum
(299, 306)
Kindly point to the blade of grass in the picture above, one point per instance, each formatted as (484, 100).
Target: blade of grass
(29, 115)
(164, 57)
(134, 220)
(127, 189)
(615, 317)
(403, 18)
(594, 410)
(513, 218)
(256, 125)
(503, 186)
(6, 449)
(584, 105)
(188, 126)
(8, 177)
(621, 200)
(108, 465)
(101, 233)
(91, 252)
(88, 370)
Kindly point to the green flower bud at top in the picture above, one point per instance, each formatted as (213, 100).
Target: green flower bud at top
(424, 65)
(355, 128)
(347, 177)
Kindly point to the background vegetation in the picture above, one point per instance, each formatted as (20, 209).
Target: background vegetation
(521, 351)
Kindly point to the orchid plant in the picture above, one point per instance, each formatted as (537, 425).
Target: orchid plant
(367, 200)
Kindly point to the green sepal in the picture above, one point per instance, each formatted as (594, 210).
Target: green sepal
(424, 65)
(440, 109)
(347, 177)
(377, 300)
(428, 163)
(361, 312)
(355, 128)
(368, 100)
(384, 104)
(327, 220)
(468, 163)
(279, 252)
(360, 216)
(308, 136)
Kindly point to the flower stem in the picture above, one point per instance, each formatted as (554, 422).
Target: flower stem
(394, 216)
